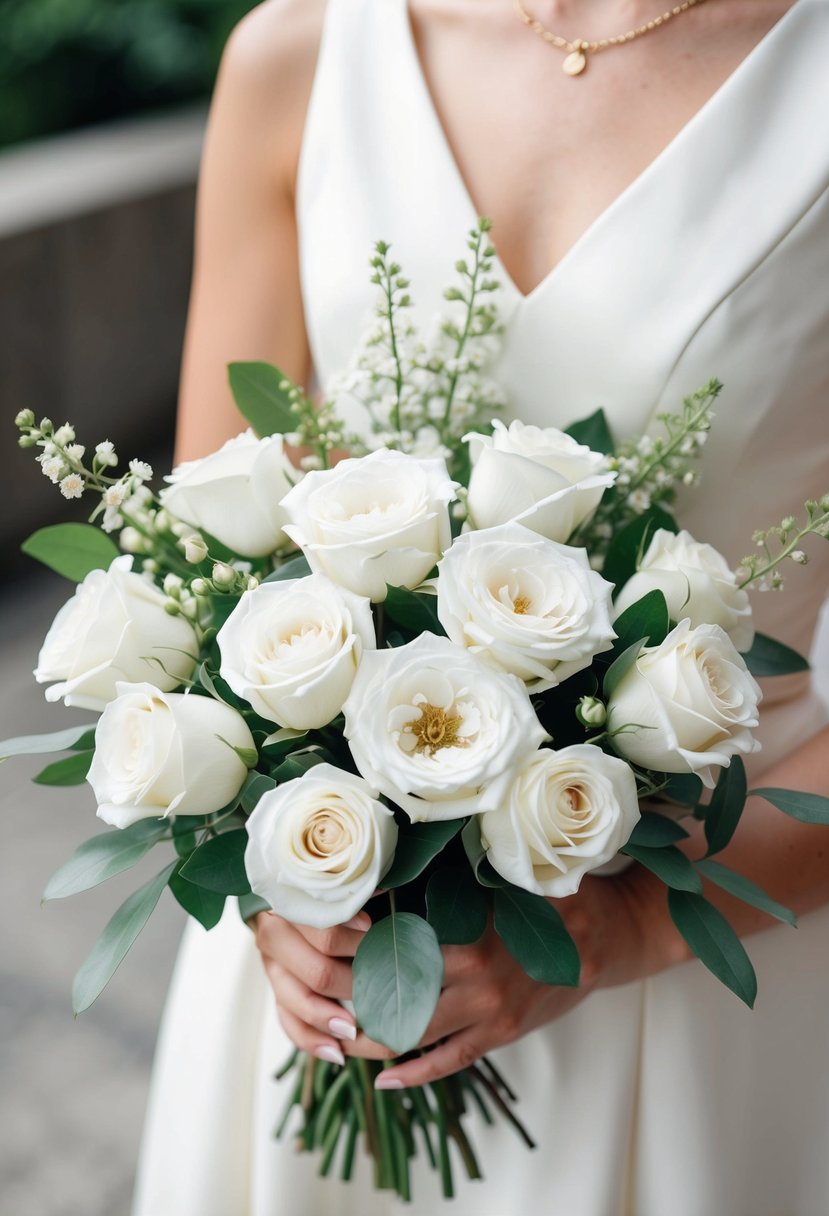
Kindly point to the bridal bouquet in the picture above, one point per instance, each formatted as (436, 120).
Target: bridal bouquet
(442, 678)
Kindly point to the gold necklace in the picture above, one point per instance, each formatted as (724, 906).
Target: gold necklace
(578, 49)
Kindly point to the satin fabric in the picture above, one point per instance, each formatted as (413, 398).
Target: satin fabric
(665, 1095)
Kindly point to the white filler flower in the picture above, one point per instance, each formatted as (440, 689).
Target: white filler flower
(687, 705)
(525, 604)
(291, 649)
(381, 519)
(538, 476)
(437, 730)
(235, 494)
(318, 846)
(697, 583)
(567, 813)
(161, 754)
(115, 627)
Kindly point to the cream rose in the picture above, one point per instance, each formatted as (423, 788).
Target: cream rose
(382, 519)
(291, 649)
(525, 604)
(113, 628)
(566, 813)
(161, 754)
(696, 582)
(318, 846)
(537, 476)
(235, 493)
(687, 705)
(437, 730)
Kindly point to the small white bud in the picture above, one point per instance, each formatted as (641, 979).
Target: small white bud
(25, 419)
(163, 522)
(195, 550)
(105, 454)
(799, 557)
(190, 608)
(591, 712)
(65, 434)
(172, 585)
(172, 608)
(27, 441)
(131, 540)
(253, 582)
(224, 576)
(179, 529)
(149, 565)
(200, 586)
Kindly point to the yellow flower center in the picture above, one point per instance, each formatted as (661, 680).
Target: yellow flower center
(521, 605)
(435, 729)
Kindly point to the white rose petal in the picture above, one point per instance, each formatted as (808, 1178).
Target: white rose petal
(567, 813)
(537, 476)
(318, 846)
(697, 583)
(437, 730)
(525, 604)
(235, 494)
(112, 629)
(291, 649)
(687, 705)
(162, 754)
(381, 519)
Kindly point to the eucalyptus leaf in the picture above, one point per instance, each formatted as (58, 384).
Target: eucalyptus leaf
(250, 905)
(103, 856)
(746, 890)
(684, 788)
(630, 543)
(808, 808)
(72, 550)
(108, 952)
(593, 432)
(205, 906)
(414, 611)
(36, 745)
(397, 977)
(256, 784)
(714, 942)
(619, 668)
(260, 398)
(476, 854)
(667, 863)
(417, 844)
(654, 830)
(646, 619)
(295, 567)
(297, 765)
(768, 657)
(535, 936)
(456, 907)
(71, 771)
(219, 864)
(726, 806)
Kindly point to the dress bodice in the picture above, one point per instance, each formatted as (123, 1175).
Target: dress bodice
(714, 262)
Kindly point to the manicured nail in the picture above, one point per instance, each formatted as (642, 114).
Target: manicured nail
(341, 1029)
(361, 922)
(328, 1052)
(384, 1081)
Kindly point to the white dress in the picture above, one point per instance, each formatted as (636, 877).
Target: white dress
(665, 1096)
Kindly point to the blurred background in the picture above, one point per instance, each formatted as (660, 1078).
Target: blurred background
(102, 110)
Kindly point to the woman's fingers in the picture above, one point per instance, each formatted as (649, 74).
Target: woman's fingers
(307, 1038)
(339, 942)
(314, 1010)
(458, 1052)
(283, 944)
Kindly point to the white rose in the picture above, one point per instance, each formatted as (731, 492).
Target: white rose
(112, 629)
(318, 846)
(160, 754)
(291, 649)
(567, 813)
(696, 582)
(687, 705)
(235, 493)
(367, 522)
(538, 476)
(438, 731)
(526, 604)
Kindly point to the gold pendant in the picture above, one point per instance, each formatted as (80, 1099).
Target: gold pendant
(575, 63)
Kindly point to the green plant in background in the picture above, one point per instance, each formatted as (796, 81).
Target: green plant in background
(67, 63)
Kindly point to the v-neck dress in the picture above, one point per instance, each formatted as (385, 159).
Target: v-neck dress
(663, 1096)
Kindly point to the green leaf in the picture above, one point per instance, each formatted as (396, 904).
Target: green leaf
(714, 942)
(726, 806)
(296, 567)
(219, 864)
(768, 657)
(102, 857)
(653, 831)
(297, 766)
(667, 863)
(72, 550)
(744, 889)
(684, 788)
(593, 432)
(248, 755)
(456, 907)
(417, 844)
(185, 829)
(259, 397)
(256, 784)
(535, 936)
(36, 745)
(647, 618)
(619, 668)
(71, 771)
(250, 904)
(398, 972)
(476, 853)
(206, 906)
(808, 808)
(108, 952)
(414, 611)
(630, 543)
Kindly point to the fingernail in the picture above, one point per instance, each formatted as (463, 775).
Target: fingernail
(384, 1081)
(341, 1029)
(361, 922)
(328, 1052)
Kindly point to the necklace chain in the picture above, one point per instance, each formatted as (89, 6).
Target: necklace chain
(578, 48)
